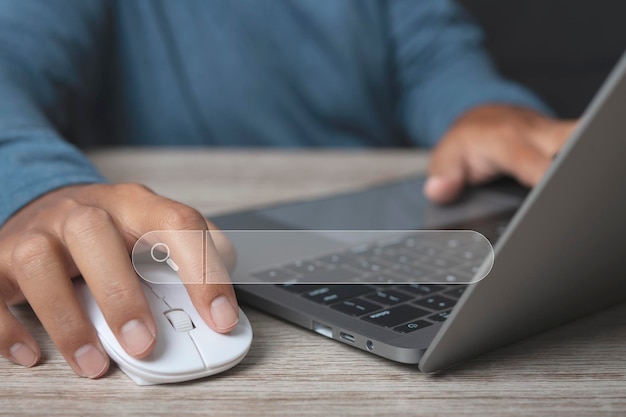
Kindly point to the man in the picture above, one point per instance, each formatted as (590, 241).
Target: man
(248, 72)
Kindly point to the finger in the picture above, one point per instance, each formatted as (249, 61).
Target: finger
(525, 162)
(199, 267)
(224, 247)
(444, 189)
(217, 293)
(446, 173)
(564, 130)
(99, 252)
(39, 264)
(16, 343)
(211, 293)
(551, 139)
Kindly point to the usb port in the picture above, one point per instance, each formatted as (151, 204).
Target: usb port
(323, 329)
(347, 337)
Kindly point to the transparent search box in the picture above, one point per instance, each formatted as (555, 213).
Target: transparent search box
(316, 257)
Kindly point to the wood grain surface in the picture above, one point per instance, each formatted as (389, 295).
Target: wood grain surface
(578, 369)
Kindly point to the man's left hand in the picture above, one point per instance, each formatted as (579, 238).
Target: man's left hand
(491, 141)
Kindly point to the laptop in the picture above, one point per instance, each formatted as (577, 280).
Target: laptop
(558, 253)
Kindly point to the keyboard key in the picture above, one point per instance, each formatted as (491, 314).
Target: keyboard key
(303, 267)
(326, 275)
(388, 297)
(429, 250)
(437, 302)
(274, 275)
(474, 267)
(412, 326)
(356, 307)
(437, 262)
(385, 278)
(329, 294)
(366, 265)
(421, 289)
(411, 242)
(300, 288)
(361, 249)
(395, 258)
(456, 291)
(469, 254)
(334, 259)
(440, 316)
(410, 273)
(455, 275)
(394, 316)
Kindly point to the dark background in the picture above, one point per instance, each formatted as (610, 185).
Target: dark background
(562, 49)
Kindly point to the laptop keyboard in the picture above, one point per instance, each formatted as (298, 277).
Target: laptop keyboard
(403, 308)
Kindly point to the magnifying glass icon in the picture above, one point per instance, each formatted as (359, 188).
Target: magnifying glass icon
(161, 258)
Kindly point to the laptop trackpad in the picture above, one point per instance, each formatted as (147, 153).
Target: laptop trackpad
(396, 206)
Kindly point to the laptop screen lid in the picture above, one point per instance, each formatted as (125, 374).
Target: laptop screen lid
(562, 255)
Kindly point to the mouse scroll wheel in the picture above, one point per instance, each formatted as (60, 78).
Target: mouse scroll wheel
(180, 321)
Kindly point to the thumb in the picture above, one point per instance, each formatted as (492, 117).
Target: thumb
(446, 175)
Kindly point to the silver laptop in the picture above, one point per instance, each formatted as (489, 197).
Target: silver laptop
(559, 253)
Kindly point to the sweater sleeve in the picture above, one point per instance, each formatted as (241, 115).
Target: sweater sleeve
(48, 49)
(442, 69)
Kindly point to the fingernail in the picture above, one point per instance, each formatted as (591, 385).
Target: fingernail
(433, 182)
(23, 355)
(137, 338)
(91, 361)
(443, 189)
(223, 313)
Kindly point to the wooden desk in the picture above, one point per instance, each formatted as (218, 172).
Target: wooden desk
(574, 370)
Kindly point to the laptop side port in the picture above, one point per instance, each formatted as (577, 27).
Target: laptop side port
(323, 329)
(347, 337)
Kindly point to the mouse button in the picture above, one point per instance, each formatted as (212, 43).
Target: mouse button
(218, 349)
(214, 348)
(174, 352)
(174, 294)
(154, 289)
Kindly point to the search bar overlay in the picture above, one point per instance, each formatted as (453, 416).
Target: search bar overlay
(316, 257)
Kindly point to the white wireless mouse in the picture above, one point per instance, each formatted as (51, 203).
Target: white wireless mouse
(186, 347)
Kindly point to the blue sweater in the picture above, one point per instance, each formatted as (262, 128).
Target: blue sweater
(343, 73)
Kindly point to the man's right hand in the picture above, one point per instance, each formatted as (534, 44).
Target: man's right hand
(89, 230)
